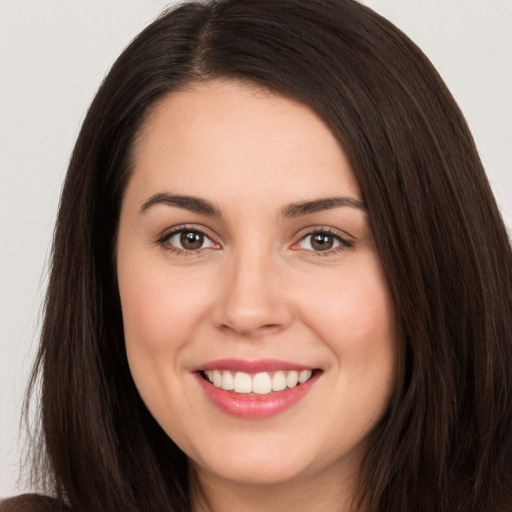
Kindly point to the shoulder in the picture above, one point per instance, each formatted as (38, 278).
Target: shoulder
(32, 503)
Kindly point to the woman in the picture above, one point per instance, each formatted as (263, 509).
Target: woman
(279, 278)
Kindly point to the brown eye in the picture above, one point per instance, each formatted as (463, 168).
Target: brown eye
(322, 241)
(191, 240)
(188, 240)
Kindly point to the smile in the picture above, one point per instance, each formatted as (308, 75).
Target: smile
(255, 389)
(262, 383)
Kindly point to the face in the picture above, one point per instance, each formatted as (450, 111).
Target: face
(259, 326)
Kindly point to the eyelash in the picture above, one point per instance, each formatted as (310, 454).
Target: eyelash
(344, 244)
(163, 241)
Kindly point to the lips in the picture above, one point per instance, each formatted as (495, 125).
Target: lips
(255, 389)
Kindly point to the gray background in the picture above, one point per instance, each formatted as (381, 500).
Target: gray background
(53, 55)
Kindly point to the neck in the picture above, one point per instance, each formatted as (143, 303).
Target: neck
(329, 492)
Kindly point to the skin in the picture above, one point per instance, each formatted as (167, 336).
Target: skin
(256, 289)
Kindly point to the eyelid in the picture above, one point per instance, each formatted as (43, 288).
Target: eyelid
(162, 240)
(346, 240)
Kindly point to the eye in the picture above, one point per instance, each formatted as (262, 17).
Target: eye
(188, 240)
(323, 241)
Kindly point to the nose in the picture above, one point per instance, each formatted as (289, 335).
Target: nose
(253, 298)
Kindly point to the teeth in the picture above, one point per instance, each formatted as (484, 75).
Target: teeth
(243, 382)
(279, 381)
(292, 379)
(228, 383)
(304, 376)
(217, 378)
(261, 383)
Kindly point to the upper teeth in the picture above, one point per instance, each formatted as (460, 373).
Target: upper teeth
(260, 383)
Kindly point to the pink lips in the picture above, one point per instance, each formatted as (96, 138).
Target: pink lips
(254, 406)
(262, 365)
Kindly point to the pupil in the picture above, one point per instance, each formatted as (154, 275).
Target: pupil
(322, 242)
(191, 240)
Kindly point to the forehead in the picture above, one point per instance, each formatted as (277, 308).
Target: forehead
(225, 135)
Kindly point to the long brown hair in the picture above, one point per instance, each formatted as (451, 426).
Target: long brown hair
(445, 441)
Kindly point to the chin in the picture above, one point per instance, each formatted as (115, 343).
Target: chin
(251, 472)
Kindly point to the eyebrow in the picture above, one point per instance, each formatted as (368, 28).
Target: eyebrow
(291, 210)
(307, 207)
(194, 204)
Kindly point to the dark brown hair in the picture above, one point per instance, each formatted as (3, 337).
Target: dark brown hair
(445, 441)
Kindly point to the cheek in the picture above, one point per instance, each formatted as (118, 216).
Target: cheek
(146, 326)
(354, 316)
(159, 306)
(158, 320)
(353, 309)
(144, 307)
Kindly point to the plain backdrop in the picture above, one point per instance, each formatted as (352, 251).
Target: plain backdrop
(53, 56)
